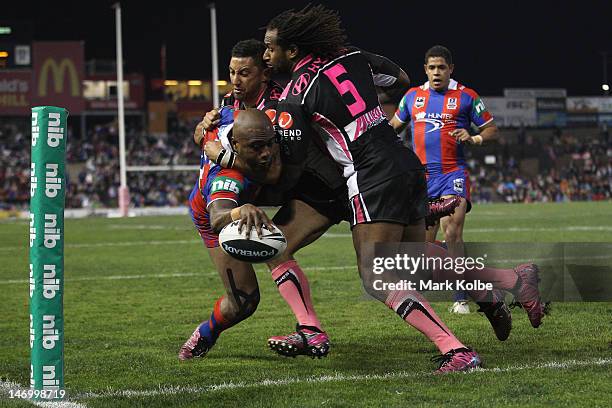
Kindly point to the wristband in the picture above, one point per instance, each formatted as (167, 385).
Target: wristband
(220, 156)
(477, 139)
(227, 159)
(235, 213)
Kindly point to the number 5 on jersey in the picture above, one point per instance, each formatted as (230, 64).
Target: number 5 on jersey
(344, 87)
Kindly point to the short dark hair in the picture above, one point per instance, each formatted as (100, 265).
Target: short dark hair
(439, 51)
(250, 48)
(314, 29)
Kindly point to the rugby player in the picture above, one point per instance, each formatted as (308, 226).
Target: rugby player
(215, 202)
(309, 208)
(332, 89)
(440, 112)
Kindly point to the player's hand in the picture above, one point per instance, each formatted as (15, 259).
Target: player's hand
(251, 216)
(211, 119)
(212, 148)
(209, 122)
(461, 135)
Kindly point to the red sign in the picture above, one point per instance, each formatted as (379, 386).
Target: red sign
(15, 92)
(58, 75)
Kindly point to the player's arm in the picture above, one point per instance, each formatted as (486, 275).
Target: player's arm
(397, 124)
(224, 211)
(482, 118)
(402, 114)
(215, 151)
(390, 79)
(209, 122)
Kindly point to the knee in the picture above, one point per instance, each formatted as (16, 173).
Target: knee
(244, 306)
(249, 305)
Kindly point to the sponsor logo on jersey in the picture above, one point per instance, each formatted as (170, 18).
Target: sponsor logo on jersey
(285, 121)
(458, 185)
(225, 184)
(436, 120)
(479, 106)
(271, 114)
(451, 103)
(419, 102)
(301, 84)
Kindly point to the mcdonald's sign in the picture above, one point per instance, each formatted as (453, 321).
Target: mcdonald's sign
(58, 74)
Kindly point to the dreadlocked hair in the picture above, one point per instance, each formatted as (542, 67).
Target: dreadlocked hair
(314, 29)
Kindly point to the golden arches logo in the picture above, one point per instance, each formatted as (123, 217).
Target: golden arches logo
(58, 72)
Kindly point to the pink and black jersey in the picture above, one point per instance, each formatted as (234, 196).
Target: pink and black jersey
(337, 98)
(433, 115)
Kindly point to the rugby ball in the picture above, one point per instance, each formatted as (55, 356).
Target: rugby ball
(254, 249)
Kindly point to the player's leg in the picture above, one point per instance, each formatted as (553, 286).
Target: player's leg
(242, 293)
(452, 228)
(239, 302)
(403, 201)
(301, 224)
(459, 357)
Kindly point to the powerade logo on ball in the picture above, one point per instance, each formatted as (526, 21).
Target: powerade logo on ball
(255, 253)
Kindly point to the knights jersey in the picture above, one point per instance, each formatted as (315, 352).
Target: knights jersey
(433, 115)
(216, 182)
(334, 101)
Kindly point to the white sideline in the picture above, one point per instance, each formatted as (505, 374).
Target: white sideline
(172, 275)
(326, 235)
(337, 377)
(7, 386)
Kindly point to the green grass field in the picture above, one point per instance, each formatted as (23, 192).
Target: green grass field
(136, 288)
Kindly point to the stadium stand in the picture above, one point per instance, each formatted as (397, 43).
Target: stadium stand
(524, 165)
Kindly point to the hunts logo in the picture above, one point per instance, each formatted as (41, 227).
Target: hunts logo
(436, 120)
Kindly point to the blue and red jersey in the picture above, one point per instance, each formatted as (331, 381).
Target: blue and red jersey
(216, 182)
(433, 116)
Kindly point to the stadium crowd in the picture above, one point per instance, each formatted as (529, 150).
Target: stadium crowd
(568, 168)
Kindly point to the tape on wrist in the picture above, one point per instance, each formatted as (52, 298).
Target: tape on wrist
(227, 160)
(235, 213)
(477, 139)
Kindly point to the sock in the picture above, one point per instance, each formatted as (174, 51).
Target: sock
(213, 327)
(293, 287)
(416, 311)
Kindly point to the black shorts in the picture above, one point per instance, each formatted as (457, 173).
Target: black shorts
(324, 199)
(401, 199)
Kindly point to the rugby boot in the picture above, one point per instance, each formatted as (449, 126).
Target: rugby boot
(306, 341)
(499, 315)
(199, 344)
(527, 293)
(461, 359)
(441, 207)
